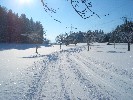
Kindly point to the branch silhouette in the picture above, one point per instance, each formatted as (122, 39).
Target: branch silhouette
(48, 10)
(76, 4)
(83, 13)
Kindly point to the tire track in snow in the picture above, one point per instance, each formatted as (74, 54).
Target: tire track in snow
(111, 68)
(112, 77)
(48, 81)
(92, 89)
(40, 70)
(62, 76)
(71, 84)
(120, 77)
(36, 83)
(43, 87)
(97, 73)
(55, 77)
(64, 91)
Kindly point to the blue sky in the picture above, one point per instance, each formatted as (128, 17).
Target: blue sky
(66, 14)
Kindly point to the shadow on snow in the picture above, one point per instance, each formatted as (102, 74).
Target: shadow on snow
(8, 46)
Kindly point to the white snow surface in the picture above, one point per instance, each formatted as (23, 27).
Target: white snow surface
(72, 73)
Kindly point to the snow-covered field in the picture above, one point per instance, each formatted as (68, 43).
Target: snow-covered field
(72, 73)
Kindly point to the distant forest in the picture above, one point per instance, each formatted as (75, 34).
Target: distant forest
(19, 29)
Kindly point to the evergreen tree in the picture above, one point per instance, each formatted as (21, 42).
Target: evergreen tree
(15, 29)
(3, 24)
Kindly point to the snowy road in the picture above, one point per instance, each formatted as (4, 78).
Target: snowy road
(72, 75)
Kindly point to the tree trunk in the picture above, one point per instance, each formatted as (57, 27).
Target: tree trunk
(114, 44)
(128, 46)
(60, 45)
(36, 49)
(88, 47)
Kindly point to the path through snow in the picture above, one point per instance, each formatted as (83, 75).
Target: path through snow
(71, 75)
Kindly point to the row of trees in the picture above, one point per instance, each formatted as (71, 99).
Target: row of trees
(19, 29)
(82, 37)
(122, 34)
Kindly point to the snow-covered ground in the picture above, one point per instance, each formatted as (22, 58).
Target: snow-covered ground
(72, 73)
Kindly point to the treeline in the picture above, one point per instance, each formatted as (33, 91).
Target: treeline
(82, 37)
(19, 29)
(122, 34)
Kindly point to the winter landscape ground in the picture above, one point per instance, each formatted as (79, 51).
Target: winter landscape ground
(72, 73)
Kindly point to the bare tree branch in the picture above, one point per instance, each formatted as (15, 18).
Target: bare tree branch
(48, 10)
(77, 5)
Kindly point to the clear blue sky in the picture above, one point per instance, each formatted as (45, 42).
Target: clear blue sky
(66, 14)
